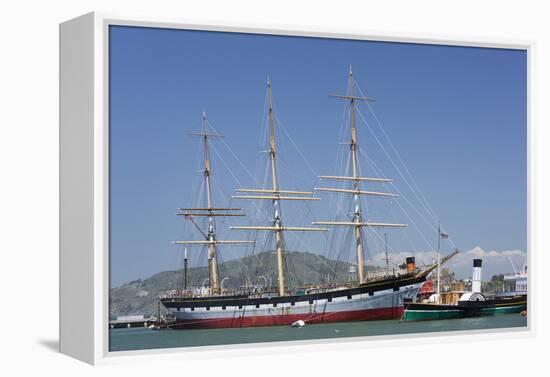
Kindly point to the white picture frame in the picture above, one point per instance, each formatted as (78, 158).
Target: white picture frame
(84, 200)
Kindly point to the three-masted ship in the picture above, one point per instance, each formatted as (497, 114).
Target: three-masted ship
(365, 298)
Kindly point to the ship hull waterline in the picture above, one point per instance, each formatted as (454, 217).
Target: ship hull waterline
(431, 312)
(380, 305)
(509, 305)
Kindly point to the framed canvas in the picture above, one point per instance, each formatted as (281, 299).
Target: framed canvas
(249, 186)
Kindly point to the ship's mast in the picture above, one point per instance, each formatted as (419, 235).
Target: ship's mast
(210, 212)
(386, 247)
(357, 220)
(185, 265)
(276, 213)
(277, 225)
(272, 145)
(357, 211)
(212, 257)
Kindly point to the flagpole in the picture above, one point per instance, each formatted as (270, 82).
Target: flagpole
(438, 262)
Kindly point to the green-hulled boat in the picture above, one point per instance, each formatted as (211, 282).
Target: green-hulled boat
(469, 304)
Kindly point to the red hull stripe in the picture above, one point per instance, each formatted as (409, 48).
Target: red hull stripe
(281, 320)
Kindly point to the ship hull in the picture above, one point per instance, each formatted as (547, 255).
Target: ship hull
(378, 305)
(493, 306)
(431, 312)
(509, 305)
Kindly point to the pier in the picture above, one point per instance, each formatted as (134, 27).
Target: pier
(129, 321)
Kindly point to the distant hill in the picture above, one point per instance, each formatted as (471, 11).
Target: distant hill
(140, 296)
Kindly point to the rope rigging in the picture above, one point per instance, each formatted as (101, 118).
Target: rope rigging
(340, 241)
(417, 191)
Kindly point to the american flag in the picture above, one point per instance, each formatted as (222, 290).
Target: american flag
(444, 236)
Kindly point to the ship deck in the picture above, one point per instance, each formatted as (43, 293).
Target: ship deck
(238, 300)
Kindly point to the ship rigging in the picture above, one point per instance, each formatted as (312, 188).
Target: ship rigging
(365, 298)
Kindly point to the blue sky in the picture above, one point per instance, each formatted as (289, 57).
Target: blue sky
(456, 115)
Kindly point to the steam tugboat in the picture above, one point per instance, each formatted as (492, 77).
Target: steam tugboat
(469, 304)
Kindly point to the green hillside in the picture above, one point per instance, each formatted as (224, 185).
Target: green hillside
(140, 296)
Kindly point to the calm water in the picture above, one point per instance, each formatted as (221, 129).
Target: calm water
(142, 338)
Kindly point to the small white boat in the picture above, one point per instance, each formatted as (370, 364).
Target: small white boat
(298, 323)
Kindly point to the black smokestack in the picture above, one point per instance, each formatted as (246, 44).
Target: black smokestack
(410, 264)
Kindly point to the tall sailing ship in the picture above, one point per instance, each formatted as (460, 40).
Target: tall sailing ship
(367, 297)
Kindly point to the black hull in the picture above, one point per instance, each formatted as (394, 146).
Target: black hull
(465, 309)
